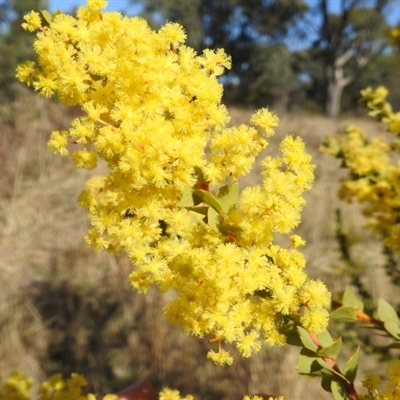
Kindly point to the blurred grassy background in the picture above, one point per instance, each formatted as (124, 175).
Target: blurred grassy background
(64, 308)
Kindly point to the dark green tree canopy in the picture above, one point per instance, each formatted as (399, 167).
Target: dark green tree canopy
(15, 43)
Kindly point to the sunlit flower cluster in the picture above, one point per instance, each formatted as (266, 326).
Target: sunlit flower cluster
(374, 167)
(152, 111)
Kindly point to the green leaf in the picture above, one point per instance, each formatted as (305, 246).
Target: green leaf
(326, 382)
(203, 210)
(351, 300)
(226, 229)
(209, 199)
(388, 315)
(306, 339)
(213, 219)
(393, 328)
(263, 293)
(187, 197)
(344, 314)
(325, 338)
(308, 362)
(228, 196)
(292, 335)
(386, 312)
(199, 175)
(325, 365)
(47, 17)
(350, 369)
(332, 350)
(339, 392)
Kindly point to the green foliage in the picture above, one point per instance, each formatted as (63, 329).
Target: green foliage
(15, 43)
(270, 77)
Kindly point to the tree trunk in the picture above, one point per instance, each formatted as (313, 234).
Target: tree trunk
(336, 83)
(334, 96)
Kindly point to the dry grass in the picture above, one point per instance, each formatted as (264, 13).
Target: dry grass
(64, 308)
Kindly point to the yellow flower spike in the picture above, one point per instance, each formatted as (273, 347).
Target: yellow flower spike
(33, 21)
(315, 321)
(249, 344)
(152, 111)
(173, 394)
(221, 357)
(371, 382)
(172, 34)
(26, 72)
(16, 387)
(297, 241)
(106, 397)
(58, 142)
(266, 120)
(315, 295)
(215, 62)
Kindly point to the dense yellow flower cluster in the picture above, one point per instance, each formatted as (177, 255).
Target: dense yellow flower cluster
(152, 111)
(374, 168)
(391, 391)
(17, 387)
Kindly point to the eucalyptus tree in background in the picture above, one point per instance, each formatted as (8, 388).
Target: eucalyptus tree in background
(286, 51)
(346, 41)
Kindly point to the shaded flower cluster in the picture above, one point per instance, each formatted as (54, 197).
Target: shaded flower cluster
(17, 387)
(379, 390)
(152, 111)
(374, 167)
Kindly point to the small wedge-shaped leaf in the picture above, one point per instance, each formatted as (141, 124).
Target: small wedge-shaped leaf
(47, 17)
(209, 199)
(213, 219)
(393, 328)
(351, 300)
(329, 368)
(350, 369)
(306, 339)
(332, 350)
(228, 196)
(187, 197)
(325, 338)
(326, 383)
(386, 312)
(308, 362)
(203, 210)
(292, 335)
(344, 314)
(339, 392)
(226, 229)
